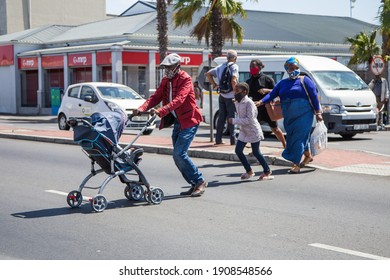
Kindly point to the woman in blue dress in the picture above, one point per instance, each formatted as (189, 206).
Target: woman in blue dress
(298, 112)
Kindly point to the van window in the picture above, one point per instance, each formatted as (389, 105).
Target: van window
(276, 76)
(74, 92)
(339, 80)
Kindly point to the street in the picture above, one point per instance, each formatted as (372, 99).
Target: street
(316, 215)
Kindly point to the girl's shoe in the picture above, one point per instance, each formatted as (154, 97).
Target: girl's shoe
(246, 176)
(295, 169)
(266, 176)
(306, 161)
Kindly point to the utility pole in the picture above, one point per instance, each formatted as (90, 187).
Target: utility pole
(351, 6)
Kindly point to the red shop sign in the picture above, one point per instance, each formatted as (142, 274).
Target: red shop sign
(135, 58)
(84, 59)
(52, 61)
(103, 58)
(28, 63)
(6, 55)
(187, 59)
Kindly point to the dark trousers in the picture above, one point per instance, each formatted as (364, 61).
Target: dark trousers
(226, 110)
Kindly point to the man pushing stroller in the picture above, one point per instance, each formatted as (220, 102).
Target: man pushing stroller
(179, 109)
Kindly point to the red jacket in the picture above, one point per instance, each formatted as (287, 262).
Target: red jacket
(183, 101)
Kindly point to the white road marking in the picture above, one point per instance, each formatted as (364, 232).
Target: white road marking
(85, 198)
(347, 251)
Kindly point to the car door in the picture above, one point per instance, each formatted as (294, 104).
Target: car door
(87, 101)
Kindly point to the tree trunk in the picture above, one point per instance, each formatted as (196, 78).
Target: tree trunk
(162, 28)
(216, 36)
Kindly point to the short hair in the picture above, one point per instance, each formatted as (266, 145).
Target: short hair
(258, 62)
(243, 86)
(231, 54)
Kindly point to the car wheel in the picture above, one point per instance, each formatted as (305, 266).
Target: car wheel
(347, 136)
(147, 131)
(62, 122)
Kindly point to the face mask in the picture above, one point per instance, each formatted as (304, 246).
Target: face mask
(254, 71)
(294, 74)
(239, 96)
(172, 73)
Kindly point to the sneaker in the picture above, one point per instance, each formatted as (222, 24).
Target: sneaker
(199, 189)
(246, 176)
(266, 176)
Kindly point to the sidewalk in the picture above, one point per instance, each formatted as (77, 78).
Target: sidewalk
(332, 159)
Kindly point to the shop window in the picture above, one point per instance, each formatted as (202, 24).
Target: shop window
(142, 80)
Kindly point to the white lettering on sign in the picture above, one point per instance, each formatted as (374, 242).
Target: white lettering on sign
(185, 60)
(28, 63)
(80, 60)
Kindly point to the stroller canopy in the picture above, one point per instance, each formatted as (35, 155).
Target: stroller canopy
(110, 124)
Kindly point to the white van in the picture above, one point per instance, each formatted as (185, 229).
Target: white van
(84, 99)
(348, 104)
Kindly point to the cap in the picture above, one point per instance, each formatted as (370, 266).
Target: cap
(291, 60)
(171, 59)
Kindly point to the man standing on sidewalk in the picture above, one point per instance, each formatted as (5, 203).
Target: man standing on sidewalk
(176, 92)
(226, 106)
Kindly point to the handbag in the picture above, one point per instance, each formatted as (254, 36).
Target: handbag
(168, 120)
(274, 110)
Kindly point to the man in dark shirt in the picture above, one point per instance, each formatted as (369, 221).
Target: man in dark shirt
(259, 86)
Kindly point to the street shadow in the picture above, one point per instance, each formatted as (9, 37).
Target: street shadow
(85, 208)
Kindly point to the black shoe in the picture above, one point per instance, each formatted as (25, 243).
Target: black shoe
(189, 192)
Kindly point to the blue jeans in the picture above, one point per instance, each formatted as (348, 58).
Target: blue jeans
(181, 140)
(227, 109)
(256, 153)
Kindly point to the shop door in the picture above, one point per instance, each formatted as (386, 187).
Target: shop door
(82, 75)
(31, 96)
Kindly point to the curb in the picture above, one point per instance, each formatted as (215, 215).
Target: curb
(196, 153)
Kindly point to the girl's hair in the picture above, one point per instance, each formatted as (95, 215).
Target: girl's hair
(243, 86)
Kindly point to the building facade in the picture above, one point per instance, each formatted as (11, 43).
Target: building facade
(19, 15)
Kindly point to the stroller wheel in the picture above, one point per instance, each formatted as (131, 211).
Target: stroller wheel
(156, 195)
(134, 192)
(74, 199)
(99, 203)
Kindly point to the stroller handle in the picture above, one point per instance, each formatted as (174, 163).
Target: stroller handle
(149, 122)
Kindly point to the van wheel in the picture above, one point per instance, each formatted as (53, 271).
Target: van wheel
(225, 131)
(347, 136)
(62, 122)
(147, 131)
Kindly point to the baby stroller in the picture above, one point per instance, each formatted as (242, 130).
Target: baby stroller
(98, 135)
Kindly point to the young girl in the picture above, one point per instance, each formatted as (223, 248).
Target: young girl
(250, 132)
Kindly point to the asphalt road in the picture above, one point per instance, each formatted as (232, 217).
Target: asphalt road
(316, 215)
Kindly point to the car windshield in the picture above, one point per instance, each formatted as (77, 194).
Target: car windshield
(119, 92)
(339, 80)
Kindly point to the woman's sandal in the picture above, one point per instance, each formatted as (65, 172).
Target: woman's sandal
(266, 176)
(295, 169)
(246, 176)
(306, 161)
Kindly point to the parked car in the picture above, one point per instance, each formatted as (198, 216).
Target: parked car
(84, 99)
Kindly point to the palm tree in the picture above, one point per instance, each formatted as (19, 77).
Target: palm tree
(162, 28)
(384, 18)
(217, 24)
(363, 47)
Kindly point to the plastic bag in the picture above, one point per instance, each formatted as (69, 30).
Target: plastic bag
(319, 138)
